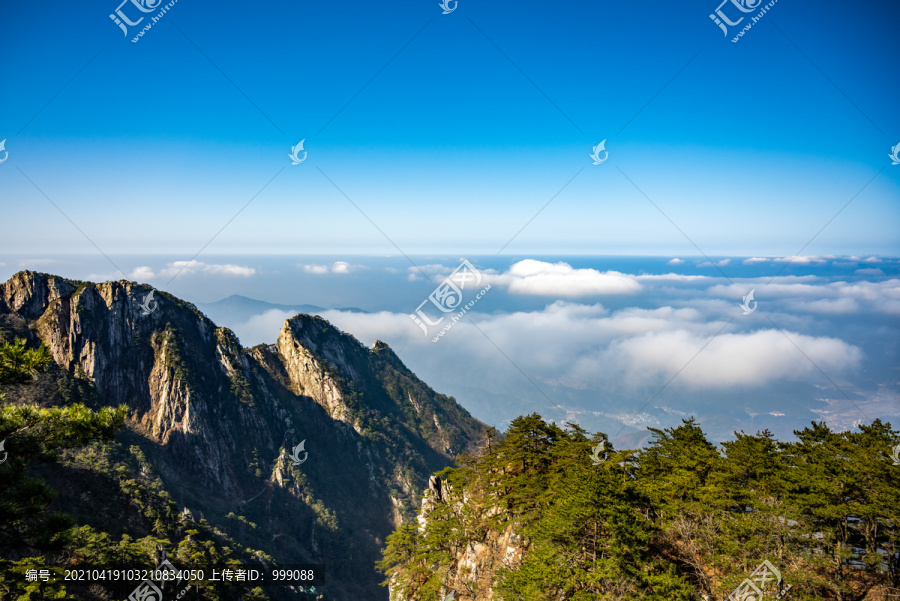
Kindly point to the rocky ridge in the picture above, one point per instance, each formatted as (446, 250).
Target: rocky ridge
(218, 421)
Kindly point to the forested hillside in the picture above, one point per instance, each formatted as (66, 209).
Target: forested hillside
(544, 513)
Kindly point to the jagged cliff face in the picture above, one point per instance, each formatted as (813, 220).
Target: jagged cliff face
(219, 421)
(474, 564)
(306, 359)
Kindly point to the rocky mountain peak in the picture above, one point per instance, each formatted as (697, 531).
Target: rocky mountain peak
(218, 421)
(318, 337)
(28, 293)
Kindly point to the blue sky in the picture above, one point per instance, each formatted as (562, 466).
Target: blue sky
(468, 135)
(450, 132)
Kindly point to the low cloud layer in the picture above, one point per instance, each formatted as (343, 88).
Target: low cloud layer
(728, 360)
(587, 345)
(806, 296)
(601, 344)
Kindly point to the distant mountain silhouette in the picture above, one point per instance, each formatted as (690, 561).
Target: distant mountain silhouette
(237, 308)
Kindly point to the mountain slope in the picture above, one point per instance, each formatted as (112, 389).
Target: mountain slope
(217, 422)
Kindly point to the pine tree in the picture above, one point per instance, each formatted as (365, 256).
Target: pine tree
(591, 541)
(524, 458)
(677, 474)
(19, 364)
(31, 436)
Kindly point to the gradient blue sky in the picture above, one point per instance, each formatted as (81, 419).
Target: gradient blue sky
(749, 148)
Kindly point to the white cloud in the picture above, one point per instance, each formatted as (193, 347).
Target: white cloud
(580, 346)
(262, 328)
(676, 261)
(803, 259)
(869, 271)
(879, 297)
(721, 263)
(530, 277)
(420, 272)
(230, 270)
(142, 273)
(318, 269)
(145, 273)
(755, 260)
(337, 267)
(728, 360)
(188, 267)
(677, 277)
(786, 279)
(825, 305)
(430, 268)
(433, 268)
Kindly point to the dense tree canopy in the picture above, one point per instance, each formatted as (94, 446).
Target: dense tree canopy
(681, 519)
(76, 439)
